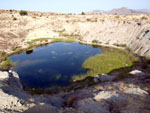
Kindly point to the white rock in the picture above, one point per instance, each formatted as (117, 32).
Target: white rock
(10, 71)
(4, 75)
(137, 72)
(105, 95)
(136, 91)
(110, 96)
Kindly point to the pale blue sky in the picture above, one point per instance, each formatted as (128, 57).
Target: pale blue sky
(72, 6)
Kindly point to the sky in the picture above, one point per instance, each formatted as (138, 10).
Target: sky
(72, 6)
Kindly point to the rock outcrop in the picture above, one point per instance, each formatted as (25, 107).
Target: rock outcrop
(126, 95)
(14, 99)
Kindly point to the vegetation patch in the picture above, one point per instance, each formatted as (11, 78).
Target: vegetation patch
(88, 19)
(144, 18)
(120, 45)
(14, 18)
(94, 41)
(72, 35)
(81, 76)
(23, 13)
(6, 63)
(63, 40)
(38, 40)
(109, 61)
(83, 13)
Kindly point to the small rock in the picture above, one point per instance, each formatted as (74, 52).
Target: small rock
(71, 100)
(10, 71)
(137, 72)
(31, 100)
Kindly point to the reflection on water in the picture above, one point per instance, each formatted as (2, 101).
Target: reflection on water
(52, 65)
(29, 51)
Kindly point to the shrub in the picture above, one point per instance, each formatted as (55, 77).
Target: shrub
(117, 16)
(14, 18)
(88, 19)
(7, 63)
(144, 18)
(83, 13)
(94, 41)
(120, 45)
(11, 10)
(22, 13)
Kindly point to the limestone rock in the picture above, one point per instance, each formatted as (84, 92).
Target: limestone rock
(137, 72)
(110, 96)
(4, 75)
(136, 91)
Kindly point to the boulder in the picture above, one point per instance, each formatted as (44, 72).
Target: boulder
(110, 96)
(103, 78)
(4, 75)
(136, 91)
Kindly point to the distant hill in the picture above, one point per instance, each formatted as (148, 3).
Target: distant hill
(121, 11)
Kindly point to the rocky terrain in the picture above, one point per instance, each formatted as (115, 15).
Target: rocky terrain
(110, 94)
(132, 31)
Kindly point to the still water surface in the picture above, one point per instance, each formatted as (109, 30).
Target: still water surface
(52, 65)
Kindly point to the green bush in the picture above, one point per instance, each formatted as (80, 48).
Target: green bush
(120, 45)
(7, 63)
(83, 13)
(22, 13)
(14, 18)
(94, 41)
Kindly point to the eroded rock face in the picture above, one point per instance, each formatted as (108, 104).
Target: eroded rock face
(107, 97)
(14, 99)
(131, 31)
